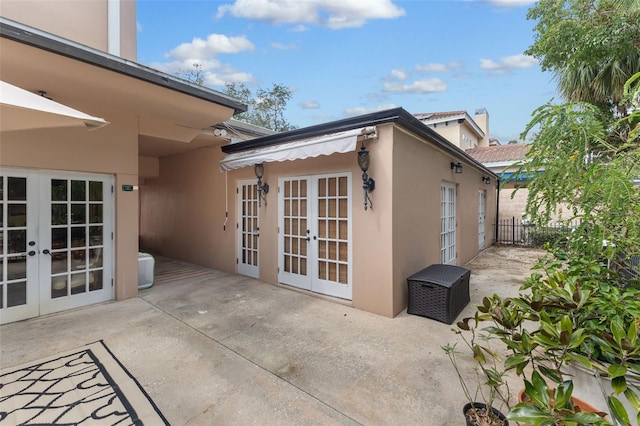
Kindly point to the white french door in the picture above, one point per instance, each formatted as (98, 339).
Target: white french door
(448, 224)
(55, 242)
(248, 229)
(314, 241)
(482, 196)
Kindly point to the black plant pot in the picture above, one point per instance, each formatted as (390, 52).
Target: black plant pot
(481, 406)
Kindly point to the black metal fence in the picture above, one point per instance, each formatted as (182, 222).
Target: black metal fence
(514, 231)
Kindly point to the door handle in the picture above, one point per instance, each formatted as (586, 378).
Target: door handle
(32, 253)
(46, 251)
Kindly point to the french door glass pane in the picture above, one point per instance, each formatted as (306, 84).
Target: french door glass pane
(333, 221)
(77, 256)
(295, 227)
(17, 189)
(13, 254)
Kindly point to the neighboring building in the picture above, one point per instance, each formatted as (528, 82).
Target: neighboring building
(503, 161)
(459, 128)
(312, 230)
(69, 206)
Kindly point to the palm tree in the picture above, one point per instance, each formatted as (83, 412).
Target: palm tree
(600, 83)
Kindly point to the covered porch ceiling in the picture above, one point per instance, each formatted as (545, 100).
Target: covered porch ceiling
(171, 113)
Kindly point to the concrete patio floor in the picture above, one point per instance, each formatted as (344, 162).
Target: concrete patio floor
(214, 348)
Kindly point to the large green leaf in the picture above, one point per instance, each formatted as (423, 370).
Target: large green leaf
(528, 413)
(618, 411)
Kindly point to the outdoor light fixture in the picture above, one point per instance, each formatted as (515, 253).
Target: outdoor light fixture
(263, 188)
(486, 180)
(368, 184)
(457, 167)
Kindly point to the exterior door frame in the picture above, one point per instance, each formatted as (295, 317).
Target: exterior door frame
(482, 211)
(448, 223)
(248, 229)
(320, 241)
(49, 304)
(31, 307)
(40, 253)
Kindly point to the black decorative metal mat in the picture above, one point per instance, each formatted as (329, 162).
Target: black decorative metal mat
(83, 386)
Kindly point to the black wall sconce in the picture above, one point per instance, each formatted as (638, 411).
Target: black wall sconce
(368, 184)
(486, 180)
(263, 188)
(456, 167)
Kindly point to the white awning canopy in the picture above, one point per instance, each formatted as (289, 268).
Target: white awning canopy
(297, 150)
(22, 110)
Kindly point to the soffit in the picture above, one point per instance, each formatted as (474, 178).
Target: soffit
(163, 113)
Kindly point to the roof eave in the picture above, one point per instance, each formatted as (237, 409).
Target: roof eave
(24, 34)
(457, 117)
(396, 115)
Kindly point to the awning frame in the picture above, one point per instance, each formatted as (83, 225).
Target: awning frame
(334, 143)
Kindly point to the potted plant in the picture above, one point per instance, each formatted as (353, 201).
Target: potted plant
(570, 314)
(490, 388)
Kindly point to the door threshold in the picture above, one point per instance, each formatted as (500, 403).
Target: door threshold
(333, 299)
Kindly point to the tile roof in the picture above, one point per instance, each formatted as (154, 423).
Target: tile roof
(495, 154)
(438, 115)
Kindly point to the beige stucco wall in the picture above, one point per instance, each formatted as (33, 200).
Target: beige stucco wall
(110, 150)
(192, 183)
(81, 21)
(419, 171)
(450, 133)
(183, 213)
(482, 120)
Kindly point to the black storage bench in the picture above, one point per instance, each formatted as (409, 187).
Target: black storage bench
(439, 292)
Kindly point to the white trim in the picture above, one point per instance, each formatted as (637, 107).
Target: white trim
(340, 142)
(113, 24)
(247, 269)
(448, 223)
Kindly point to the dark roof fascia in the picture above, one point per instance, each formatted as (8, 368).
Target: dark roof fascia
(316, 130)
(397, 115)
(21, 33)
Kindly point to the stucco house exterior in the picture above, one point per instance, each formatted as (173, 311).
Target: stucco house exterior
(171, 173)
(311, 231)
(459, 128)
(69, 209)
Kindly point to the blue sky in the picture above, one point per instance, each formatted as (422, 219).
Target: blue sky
(348, 57)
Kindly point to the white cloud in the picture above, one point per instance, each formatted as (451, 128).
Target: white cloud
(434, 67)
(428, 85)
(197, 59)
(309, 104)
(139, 27)
(281, 46)
(365, 110)
(212, 71)
(213, 45)
(399, 74)
(213, 79)
(299, 29)
(333, 14)
(508, 63)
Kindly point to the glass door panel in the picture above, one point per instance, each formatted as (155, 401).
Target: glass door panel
(295, 233)
(18, 260)
(76, 220)
(315, 234)
(248, 229)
